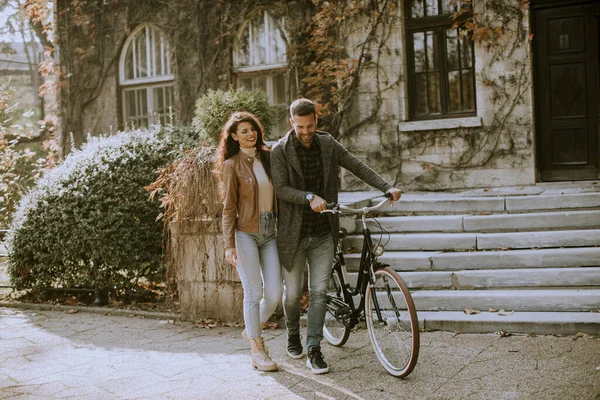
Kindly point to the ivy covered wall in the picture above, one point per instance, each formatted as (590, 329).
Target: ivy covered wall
(350, 56)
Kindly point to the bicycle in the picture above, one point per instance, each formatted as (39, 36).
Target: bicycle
(391, 319)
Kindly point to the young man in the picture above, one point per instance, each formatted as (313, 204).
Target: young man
(305, 170)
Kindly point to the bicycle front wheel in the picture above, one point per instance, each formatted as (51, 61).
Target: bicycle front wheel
(338, 314)
(392, 322)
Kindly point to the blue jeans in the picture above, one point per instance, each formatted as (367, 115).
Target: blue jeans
(318, 251)
(260, 272)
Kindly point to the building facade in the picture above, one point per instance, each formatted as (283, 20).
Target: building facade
(434, 94)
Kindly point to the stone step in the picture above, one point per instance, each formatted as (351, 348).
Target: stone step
(551, 300)
(451, 261)
(499, 278)
(559, 220)
(442, 205)
(504, 278)
(525, 240)
(543, 323)
(552, 202)
(481, 241)
(451, 203)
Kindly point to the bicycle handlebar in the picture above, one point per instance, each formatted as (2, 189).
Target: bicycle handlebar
(336, 208)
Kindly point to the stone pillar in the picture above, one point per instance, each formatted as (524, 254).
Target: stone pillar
(208, 286)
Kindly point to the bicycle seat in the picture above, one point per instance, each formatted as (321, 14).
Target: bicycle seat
(343, 232)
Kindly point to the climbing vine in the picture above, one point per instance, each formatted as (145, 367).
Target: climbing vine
(339, 54)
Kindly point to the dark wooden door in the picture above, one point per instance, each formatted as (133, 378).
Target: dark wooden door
(566, 74)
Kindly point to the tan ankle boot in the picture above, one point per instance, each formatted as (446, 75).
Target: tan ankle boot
(245, 331)
(260, 356)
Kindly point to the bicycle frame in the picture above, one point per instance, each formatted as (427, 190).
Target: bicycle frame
(366, 271)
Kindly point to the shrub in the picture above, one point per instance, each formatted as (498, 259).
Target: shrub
(214, 108)
(88, 222)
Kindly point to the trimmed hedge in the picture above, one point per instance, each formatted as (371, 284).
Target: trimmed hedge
(214, 108)
(88, 222)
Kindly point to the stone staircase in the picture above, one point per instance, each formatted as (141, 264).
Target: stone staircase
(516, 259)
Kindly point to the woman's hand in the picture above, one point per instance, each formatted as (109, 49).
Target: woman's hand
(231, 256)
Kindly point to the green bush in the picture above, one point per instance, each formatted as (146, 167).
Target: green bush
(214, 108)
(88, 222)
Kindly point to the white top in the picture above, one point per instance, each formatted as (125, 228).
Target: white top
(265, 187)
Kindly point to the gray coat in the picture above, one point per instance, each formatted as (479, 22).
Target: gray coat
(289, 187)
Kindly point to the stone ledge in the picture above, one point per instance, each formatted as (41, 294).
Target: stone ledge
(92, 310)
(439, 124)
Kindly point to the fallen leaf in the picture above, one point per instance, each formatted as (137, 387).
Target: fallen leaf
(470, 311)
(270, 325)
(72, 300)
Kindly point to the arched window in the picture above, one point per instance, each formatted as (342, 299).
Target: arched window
(146, 78)
(260, 62)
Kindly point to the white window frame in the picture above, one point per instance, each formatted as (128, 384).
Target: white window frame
(267, 70)
(268, 21)
(154, 79)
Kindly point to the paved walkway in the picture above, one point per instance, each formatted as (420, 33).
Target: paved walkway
(57, 355)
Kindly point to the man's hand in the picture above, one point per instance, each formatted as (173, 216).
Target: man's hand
(318, 204)
(231, 256)
(396, 194)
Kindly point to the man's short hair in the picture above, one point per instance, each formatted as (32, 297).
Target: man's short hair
(302, 107)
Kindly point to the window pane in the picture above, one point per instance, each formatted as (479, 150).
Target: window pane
(419, 50)
(466, 50)
(260, 82)
(279, 89)
(421, 94)
(454, 97)
(434, 94)
(163, 101)
(276, 42)
(447, 6)
(432, 51)
(142, 103)
(130, 104)
(259, 41)
(243, 50)
(244, 83)
(452, 49)
(157, 54)
(129, 63)
(431, 7)
(141, 64)
(468, 90)
(417, 9)
(136, 108)
(158, 99)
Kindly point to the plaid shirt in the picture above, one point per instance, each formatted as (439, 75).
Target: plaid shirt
(312, 168)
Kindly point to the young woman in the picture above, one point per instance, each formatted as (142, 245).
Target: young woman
(249, 225)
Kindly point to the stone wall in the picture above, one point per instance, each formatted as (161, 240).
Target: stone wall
(495, 148)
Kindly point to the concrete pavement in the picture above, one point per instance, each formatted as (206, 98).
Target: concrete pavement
(47, 354)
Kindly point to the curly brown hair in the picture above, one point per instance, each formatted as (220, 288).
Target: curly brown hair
(228, 147)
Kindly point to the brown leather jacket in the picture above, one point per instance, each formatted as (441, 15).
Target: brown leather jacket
(240, 195)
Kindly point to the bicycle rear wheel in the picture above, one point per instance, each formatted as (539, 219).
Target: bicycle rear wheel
(338, 314)
(392, 322)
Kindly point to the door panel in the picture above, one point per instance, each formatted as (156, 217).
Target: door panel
(566, 47)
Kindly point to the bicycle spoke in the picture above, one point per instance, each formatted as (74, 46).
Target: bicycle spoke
(395, 337)
(337, 316)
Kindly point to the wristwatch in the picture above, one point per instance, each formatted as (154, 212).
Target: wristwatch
(310, 197)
